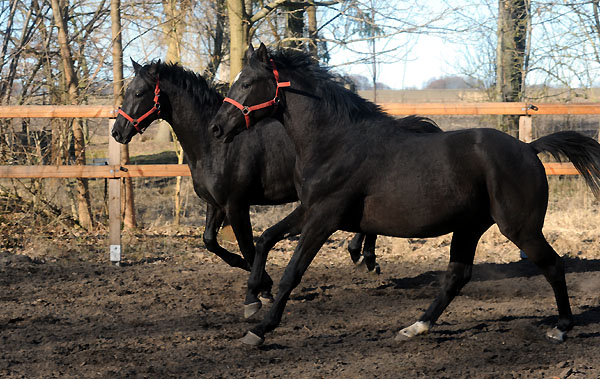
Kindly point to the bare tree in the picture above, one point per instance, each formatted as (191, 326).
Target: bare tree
(514, 21)
(82, 192)
(127, 197)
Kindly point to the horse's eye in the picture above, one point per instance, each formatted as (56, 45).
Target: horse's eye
(245, 85)
(138, 94)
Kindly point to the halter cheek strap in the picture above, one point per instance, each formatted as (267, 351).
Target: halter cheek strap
(155, 108)
(275, 100)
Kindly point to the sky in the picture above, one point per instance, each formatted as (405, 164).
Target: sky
(429, 58)
(416, 57)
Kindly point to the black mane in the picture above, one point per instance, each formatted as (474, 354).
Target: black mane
(344, 103)
(186, 80)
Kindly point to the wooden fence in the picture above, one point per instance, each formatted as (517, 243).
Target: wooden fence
(114, 171)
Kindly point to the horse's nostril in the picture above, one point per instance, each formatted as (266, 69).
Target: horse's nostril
(216, 129)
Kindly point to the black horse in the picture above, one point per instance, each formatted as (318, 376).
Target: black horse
(361, 173)
(256, 170)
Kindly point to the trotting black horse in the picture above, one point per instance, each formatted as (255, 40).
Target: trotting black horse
(257, 169)
(361, 173)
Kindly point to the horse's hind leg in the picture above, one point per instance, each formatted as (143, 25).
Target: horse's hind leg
(540, 252)
(367, 258)
(462, 253)
(369, 254)
(355, 247)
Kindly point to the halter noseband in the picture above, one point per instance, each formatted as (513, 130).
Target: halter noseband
(247, 109)
(155, 108)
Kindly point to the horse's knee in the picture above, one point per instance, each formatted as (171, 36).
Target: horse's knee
(210, 242)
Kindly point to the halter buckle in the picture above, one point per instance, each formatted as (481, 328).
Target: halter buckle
(245, 111)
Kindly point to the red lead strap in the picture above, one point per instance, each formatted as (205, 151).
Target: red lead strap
(155, 108)
(247, 109)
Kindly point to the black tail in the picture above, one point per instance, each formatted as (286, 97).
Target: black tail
(582, 151)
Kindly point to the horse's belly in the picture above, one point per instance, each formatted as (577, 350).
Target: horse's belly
(401, 217)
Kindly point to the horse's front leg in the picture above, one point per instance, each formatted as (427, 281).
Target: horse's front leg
(239, 217)
(214, 220)
(291, 225)
(315, 232)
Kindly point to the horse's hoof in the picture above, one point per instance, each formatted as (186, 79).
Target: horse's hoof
(376, 270)
(360, 264)
(556, 335)
(251, 309)
(252, 339)
(266, 297)
(419, 327)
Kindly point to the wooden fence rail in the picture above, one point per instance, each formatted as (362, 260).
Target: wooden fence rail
(114, 171)
(397, 109)
(88, 171)
(158, 170)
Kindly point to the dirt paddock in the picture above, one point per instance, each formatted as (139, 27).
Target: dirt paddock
(174, 310)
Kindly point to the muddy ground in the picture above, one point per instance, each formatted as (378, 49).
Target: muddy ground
(176, 312)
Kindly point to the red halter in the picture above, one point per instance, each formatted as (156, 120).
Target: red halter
(247, 109)
(155, 108)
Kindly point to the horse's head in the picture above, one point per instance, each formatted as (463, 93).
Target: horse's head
(141, 104)
(254, 95)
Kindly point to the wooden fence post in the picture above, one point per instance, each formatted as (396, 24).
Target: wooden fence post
(114, 199)
(525, 129)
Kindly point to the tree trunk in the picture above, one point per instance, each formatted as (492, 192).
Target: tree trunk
(238, 36)
(176, 28)
(216, 55)
(294, 25)
(513, 18)
(81, 185)
(127, 200)
(312, 31)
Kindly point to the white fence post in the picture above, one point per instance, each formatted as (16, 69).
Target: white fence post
(525, 129)
(114, 199)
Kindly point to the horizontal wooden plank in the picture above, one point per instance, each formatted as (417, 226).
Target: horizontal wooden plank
(560, 169)
(157, 170)
(520, 109)
(454, 108)
(88, 171)
(58, 111)
(558, 109)
(107, 111)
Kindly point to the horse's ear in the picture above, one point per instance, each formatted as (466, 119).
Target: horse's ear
(262, 53)
(153, 71)
(136, 66)
(249, 52)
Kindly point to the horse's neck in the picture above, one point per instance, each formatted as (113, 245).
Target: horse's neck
(190, 120)
(309, 131)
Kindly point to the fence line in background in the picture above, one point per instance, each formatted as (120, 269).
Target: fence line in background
(157, 170)
(114, 171)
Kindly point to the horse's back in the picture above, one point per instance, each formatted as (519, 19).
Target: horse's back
(428, 184)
